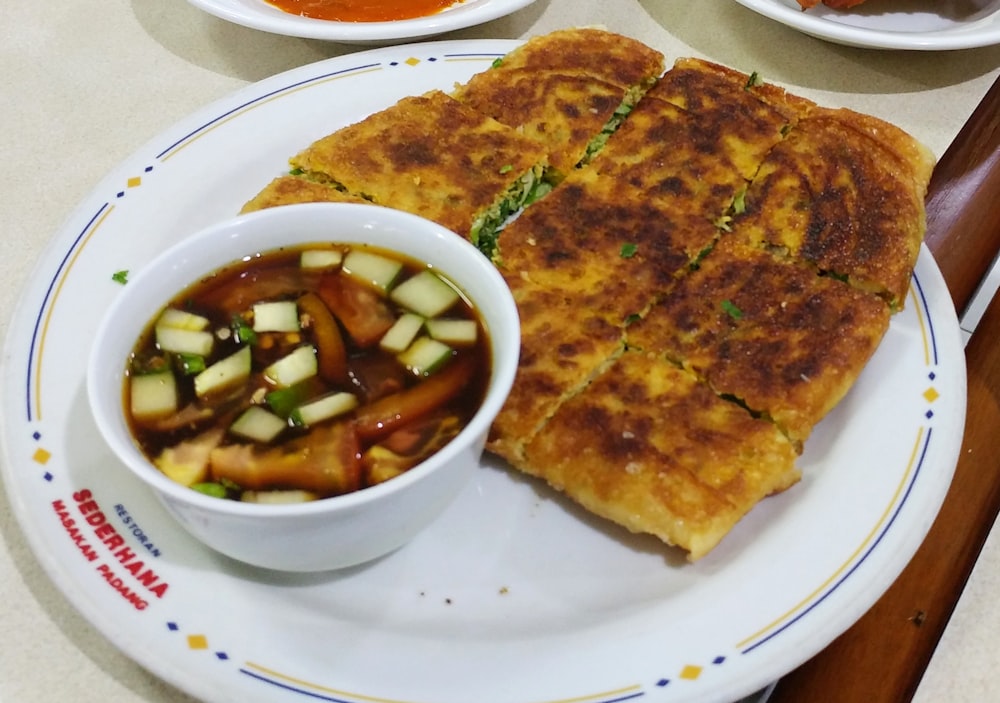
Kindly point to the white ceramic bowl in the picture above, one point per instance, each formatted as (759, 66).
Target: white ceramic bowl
(334, 532)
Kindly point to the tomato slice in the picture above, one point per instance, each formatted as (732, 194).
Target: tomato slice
(238, 295)
(331, 354)
(361, 310)
(326, 461)
(376, 376)
(387, 415)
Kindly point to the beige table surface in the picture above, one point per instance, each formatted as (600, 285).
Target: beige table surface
(85, 83)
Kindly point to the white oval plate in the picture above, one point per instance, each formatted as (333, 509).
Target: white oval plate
(513, 595)
(926, 25)
(258, 14)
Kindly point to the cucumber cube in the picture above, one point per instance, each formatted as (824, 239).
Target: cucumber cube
(324, 408)
(321, 259)
(458, 333)
(425, 356)
(258, 424)
(233, 369)
(181, 319)
(184, 341)
(425, 294)
(152, 395)
(293, 368)
(402, 333)
(373, 269)
(280, 316)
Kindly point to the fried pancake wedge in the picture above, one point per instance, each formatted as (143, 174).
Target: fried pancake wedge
(601, 235)
(647, 446)
(704, 87)
(843, 192)
(587, 51)
(291, 189)
(435, 157)
(774, 336)
(550, 89)
(696, 163)
(564, 344)
(569, 114)
(583, 263)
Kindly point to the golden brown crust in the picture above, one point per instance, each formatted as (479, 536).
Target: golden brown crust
(846, 194)
(667, 184)
(597, 235)
(562, 112)
(429, 155)
(670, 457)
(592, 52)
(563, 88)
(289, 190)
(577, 288)
(563, 344)
(702, 87)
(693, 163)
(678, 340)
(776, 336)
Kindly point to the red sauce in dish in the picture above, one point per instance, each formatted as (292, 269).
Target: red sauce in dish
(362, 10)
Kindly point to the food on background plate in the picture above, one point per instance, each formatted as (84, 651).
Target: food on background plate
(835, 4)
(306, 373)
(696, 291)
(363, 10)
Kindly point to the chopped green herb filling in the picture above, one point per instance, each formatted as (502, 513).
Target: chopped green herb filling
(525, 190)
(753, 81)
(739, 201)
(731, 310)
(724, 223)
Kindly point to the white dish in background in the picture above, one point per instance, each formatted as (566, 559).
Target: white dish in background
(514, 594)
(257, 14)
(924, 25)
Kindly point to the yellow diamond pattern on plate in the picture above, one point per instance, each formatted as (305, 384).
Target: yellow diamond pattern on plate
(931, 394)
(690, 672)
(134, 181)
(412, 61)
(42, 456)
(197, 642)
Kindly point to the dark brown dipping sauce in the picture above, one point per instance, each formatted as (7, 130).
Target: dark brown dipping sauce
(356, 372)
(363, 10)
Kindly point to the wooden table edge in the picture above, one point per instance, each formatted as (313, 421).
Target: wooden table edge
(883, 657)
